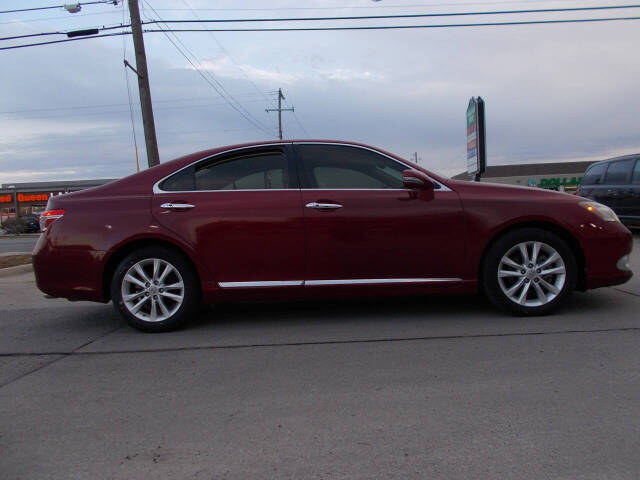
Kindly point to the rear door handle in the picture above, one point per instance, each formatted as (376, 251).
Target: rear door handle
(323, 206)
(177, 206)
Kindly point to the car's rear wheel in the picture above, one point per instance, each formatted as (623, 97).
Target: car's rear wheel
(529, 272)
(155, 289)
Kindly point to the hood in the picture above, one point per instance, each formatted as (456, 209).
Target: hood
(487, 190)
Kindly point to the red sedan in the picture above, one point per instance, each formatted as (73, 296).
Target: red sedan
(318, 219)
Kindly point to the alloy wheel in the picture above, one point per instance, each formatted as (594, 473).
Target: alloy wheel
(532, 274)
(152, 290)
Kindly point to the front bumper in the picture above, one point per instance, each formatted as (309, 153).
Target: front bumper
(603, 247)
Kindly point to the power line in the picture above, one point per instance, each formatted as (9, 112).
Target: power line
(51, 42)
(228, 55)
(410, 15)
(308, 29)
(396, 27)
(91, 138)
(126, 77)
(66, 17)
(83, 15)
(114, 2)
(341, 7)
(67, 114)
(304, 130)
(315, 19)
(109, 105)
(360, 17)
(15, 37)
(228, 98)
(377, 6)
(295, 116)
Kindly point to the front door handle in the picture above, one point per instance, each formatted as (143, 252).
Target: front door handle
(177, 206)
(323, 206)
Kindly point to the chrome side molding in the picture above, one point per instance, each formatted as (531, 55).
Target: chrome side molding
(379, 281)
(287, 283)
(355, 281)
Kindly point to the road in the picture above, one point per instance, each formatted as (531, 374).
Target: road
(438, 388)
(12, 243)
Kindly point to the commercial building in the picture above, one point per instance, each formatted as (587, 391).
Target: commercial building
(556, 176)
(19, 199)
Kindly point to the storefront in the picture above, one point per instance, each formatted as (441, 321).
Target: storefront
(565, 176)
(23, 199)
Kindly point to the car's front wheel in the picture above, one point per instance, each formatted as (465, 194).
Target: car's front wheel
(155, 289)
(529, 272)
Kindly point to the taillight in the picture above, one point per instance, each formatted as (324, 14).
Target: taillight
(48, 217)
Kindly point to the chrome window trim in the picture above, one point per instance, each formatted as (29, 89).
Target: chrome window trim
(157, 190)
(356, 189)
(316, 283)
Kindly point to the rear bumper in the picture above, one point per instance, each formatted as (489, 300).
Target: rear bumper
(74, 274)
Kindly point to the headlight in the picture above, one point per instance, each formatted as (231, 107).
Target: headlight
(602, 211)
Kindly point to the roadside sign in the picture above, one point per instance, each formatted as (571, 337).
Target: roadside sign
(476, 147)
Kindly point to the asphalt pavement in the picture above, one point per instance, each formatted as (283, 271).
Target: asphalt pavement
(436, 387)
(17, 243)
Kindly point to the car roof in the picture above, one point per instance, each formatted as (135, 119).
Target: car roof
(615, 159)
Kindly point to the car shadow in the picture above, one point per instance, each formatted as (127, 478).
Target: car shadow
(472, 309)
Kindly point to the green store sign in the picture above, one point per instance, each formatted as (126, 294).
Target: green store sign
(555, 182)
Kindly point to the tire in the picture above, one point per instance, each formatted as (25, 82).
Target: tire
(518, 284)
(155, 289)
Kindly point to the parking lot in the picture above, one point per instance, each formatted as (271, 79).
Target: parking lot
(439, 387)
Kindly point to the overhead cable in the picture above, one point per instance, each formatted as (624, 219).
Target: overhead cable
(114, 2)
(308, 29)
(395, 27)
(409, 15)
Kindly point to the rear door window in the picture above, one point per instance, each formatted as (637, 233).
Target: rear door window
(263, 170)
(618, 172)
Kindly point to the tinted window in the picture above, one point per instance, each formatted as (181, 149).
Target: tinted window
(258, 171)
(618, 172)
(635, 178)
(181, 181)
(336, 166)
(593, 174)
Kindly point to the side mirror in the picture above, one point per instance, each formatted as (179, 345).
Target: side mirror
(416, 180)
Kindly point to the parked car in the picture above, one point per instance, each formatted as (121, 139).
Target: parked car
(21, 224)
(32, 223)
(615, 183)
(317, 219)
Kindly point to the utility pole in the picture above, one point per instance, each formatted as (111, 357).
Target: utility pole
(415, 158)
(153, 158)
(279, 110)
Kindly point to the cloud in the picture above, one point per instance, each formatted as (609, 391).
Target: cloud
(552, 93)
(225, 68)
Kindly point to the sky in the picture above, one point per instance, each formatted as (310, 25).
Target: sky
(561, 92)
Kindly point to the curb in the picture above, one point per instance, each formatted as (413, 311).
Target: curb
(17, 270)
(19, 235)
